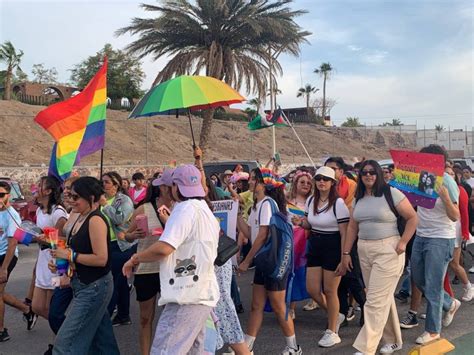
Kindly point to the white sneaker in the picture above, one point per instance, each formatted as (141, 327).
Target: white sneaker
(311, 306)
(292, 314)
(426, 338)
(390, 348)
(448, 316)
(468, 294)
(471, 270)
(340, 319)
(329, 339)
(291, 351)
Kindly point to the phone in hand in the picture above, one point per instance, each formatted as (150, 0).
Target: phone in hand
(142, 223)
(277, 159)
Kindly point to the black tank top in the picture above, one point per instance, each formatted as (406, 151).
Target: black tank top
(81, 243)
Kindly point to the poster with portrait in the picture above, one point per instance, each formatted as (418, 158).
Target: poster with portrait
(418, 176)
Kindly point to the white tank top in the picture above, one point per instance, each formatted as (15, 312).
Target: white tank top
(153, 222)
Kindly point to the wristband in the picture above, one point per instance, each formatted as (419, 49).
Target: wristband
(346, 253)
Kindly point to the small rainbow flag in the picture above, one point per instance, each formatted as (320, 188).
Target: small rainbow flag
(23, 237)
(77, 125)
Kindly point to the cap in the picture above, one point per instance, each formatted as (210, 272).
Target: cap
(165, 178)
(326, 171)
(228, 172)
(188, 180)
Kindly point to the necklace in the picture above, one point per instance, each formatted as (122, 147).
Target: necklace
(320, 199)
(77, 225)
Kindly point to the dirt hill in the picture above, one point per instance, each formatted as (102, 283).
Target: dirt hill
(22, 141)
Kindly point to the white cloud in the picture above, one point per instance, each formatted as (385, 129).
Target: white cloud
(375, 57)
(354, 48)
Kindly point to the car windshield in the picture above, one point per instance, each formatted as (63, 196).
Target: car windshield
(15, 192)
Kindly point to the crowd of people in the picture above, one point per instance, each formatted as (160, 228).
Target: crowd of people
(353, 237)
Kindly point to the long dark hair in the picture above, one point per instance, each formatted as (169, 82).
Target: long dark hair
(54, 198)
(258, 180)
(332, 198)
(278, 194)
(379, 185)
(117, 181)
(152, 194)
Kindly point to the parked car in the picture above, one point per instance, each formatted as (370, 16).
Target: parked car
(465, 162)
(221, 166)
(386, 163)
(18, 201)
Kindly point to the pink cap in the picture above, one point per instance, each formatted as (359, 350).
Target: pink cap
(188, 180)
(164, 179)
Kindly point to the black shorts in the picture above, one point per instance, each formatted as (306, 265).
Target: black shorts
(147, 286)
(268, 283)
(11, 266)
(324, 250)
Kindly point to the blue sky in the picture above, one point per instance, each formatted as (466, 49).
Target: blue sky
(407, 59)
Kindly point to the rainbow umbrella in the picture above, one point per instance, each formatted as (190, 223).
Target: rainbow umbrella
(191, 92)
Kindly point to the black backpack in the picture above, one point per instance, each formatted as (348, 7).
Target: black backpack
(401, 223)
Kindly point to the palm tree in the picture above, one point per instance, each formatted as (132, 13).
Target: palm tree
(439, 128)
(324, 70)
(225, 39)
(306, 93)
(352, 122)
(12, 58)
(256, 102)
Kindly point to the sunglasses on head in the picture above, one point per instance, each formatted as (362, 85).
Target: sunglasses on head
(3, 194)
(323, 178)
(368, 172)
(74, 197)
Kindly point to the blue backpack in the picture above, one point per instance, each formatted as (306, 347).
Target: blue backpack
(275, 257)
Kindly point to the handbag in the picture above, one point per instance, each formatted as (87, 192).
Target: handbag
(226, 249)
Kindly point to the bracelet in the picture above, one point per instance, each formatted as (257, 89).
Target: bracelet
(74, 256)
(70, 256)
(346, 253)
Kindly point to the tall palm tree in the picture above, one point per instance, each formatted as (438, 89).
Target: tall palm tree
(306, 93)
(12, 58)
(225, 39)
(324, 70)
(256, 102)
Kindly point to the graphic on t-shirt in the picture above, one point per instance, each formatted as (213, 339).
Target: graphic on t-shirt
(185, 267)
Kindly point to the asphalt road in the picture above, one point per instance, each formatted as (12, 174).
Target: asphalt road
(309, 325)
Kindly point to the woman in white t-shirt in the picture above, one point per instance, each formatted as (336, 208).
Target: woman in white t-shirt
(49, 214)
(268, 189)
(327, 217)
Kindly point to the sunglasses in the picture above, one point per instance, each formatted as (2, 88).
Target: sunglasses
(3, 194)
(368, 172)
(322, 178)
(74, 197)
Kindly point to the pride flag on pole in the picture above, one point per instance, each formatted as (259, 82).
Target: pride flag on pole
(77, 125)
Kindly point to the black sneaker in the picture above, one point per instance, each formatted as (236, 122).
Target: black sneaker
(4, 335)
(30, 318)
(117, 321)
(50, 350)
(350, 314)
(402, 297)
(239, 309)
(410, 321)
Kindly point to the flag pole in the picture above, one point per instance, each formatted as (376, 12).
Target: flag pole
(101, 163)
(297, 136)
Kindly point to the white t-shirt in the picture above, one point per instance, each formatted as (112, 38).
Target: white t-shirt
(43, 274)
(470, 181)
(435, 223)
(187, 275)
(327, 222)
(265, 212)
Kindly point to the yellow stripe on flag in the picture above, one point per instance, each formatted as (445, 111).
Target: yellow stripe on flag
(70, 143)
(100, 96)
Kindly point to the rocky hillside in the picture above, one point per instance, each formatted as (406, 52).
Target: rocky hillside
(22, 141)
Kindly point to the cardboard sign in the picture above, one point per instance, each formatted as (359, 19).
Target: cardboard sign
(418, 176)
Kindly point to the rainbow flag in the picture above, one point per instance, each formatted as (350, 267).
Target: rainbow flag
(77, 125)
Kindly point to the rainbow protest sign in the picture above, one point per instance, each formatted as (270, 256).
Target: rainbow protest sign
(418, 176)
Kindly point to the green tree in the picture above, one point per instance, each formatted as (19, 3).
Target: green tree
(324, 70)
(395, 122)
(306, 92)
(124, 74)
(255, 102)
(20, 76)
(12, 59)
(352, 122)
(44, 75)
(439, 128)
(251, 113)
(226, 39)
